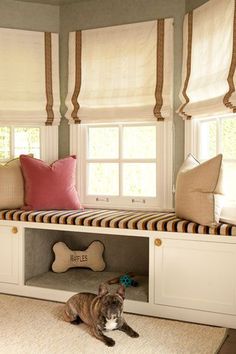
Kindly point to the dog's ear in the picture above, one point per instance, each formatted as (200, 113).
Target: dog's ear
(102, 290)
(121, 291)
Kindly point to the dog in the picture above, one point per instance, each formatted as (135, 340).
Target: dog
(100, 312)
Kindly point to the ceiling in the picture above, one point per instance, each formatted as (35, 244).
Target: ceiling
(52, 2)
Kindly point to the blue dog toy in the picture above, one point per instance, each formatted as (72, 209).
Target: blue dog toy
(126, 280)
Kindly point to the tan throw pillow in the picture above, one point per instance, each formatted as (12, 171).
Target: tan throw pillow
(199, 191)
(11, 185)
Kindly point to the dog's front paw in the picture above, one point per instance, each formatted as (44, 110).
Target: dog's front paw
(110, 342)
(134, 334)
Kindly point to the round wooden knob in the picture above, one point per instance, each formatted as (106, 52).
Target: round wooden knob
(14, 230)
(158, 242)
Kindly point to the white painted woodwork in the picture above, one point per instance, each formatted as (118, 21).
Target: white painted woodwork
(164, 199)
(192, 277)
(197, 275)
(9, 255)
(49, 143)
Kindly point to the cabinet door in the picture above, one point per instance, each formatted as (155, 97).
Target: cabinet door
(9, 254)
(196, 275)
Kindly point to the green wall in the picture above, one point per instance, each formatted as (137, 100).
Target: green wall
(101, 13)
(193, 4)
(29, 16)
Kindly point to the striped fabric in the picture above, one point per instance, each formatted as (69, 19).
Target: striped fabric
(182, 113)
(74, 99)
(134, 220)
(48, 77)
(159, 69)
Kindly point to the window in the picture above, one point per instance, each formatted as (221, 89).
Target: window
(122, 166)
(123, 102)
(15, 141)
(29, 94)
(213, 136)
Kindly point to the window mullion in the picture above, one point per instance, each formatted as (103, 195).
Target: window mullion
(103, 160)
(86, 149)
(219, 143)
(157, 162)
(133, 160)
(120, 160)
(196, 145)
(12, 142)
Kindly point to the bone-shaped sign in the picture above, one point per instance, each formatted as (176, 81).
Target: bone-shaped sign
(66, 258)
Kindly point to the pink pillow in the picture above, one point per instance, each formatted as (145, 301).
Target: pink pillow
(50, 186)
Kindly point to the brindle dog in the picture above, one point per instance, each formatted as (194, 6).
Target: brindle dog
(101, 312)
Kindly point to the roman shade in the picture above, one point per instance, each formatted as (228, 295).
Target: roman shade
(29, 77)
(209, 60)
(121, 73)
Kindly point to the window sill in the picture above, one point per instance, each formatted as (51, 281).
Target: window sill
(110, 206)
(228, 214)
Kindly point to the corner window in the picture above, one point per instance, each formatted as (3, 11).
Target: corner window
(213, 136)
(15, 141)
(122, 166)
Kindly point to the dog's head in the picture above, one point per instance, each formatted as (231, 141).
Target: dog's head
(111, 303)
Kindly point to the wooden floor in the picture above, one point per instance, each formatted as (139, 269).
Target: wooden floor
(229, 346)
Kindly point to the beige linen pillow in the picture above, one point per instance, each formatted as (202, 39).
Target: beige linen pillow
(199, 191)
(11, 185)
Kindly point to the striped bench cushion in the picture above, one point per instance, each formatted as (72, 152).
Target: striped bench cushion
(122, 219)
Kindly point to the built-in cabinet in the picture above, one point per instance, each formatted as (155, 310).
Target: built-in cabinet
(9, 254)
(181, 276)
(196, 275)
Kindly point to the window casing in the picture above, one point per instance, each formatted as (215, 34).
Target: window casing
(41, 141)
(207, 137)
(131, 167)
(15, 141)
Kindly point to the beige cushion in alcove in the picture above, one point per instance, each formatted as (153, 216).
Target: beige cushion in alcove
(11, 185)
(199, 190)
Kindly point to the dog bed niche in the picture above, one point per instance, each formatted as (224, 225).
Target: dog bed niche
(122, 254)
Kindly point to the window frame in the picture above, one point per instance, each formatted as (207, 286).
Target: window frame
(192, 145)
(164, 199)
(48, 136)
(12, 140)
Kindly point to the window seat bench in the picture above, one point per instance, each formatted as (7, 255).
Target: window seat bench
(121, 219)
(185, 271)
